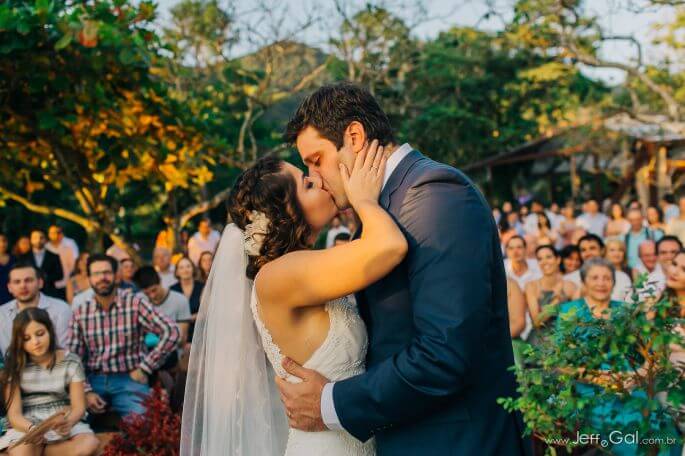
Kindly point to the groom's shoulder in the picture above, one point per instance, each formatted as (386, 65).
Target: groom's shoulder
(428, 171)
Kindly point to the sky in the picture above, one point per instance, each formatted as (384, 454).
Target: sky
(442, 14)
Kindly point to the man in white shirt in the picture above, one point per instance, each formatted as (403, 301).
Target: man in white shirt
(25, 284)
(592, 246)
(205, 240)
(66, 248)
(656, 279)
(337, 227)
(592, 220)
(161, 260)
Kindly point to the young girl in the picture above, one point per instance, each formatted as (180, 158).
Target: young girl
(40, 380)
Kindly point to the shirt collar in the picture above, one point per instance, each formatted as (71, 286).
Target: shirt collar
(394, 160)
(43, 303)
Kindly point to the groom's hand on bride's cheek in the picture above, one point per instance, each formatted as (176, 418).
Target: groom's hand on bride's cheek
(302, 400)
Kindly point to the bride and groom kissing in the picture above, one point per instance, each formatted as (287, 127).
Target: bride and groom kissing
(396, 343)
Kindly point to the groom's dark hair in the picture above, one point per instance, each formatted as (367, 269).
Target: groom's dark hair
(331, 108)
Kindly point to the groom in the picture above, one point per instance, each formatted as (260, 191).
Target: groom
(439, 345)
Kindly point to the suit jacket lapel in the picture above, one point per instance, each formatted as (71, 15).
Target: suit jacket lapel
(397, 177)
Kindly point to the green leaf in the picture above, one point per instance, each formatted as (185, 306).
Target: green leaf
(64, 41)
(44, 6)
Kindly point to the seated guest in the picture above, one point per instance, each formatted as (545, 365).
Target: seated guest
(517, 265)
(190, 287)
(22, 246)
(675, 283)
(341, 238)
(48, 263)
(649, 264)
(25, 284)
(592, 246)
(127, 269)
(616, 255)
(107, 333)
(516, 304)
(78, 282)
(666, 249)
(168, 302)
(6, 262)
(598, 280)
(39, 381)
(548, 291)
(161, 260)
(570, 259)
(205, 265)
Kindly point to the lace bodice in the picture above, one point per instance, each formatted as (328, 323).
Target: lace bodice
(340, 356)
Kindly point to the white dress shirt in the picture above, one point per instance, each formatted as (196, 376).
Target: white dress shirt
(59, 311)
(328, 413)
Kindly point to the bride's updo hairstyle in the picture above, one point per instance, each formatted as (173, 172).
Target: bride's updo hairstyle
(266, 187)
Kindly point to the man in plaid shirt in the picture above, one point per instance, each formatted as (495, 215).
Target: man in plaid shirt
(107, 331)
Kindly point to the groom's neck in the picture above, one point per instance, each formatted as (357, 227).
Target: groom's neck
(391, 147)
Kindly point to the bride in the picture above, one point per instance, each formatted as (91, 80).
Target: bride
(269, 294)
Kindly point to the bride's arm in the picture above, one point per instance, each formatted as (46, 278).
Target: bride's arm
(312, 277)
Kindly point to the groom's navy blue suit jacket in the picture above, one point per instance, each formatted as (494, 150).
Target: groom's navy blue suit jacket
(439, 344)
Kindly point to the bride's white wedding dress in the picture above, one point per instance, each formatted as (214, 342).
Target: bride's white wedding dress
(340, 356)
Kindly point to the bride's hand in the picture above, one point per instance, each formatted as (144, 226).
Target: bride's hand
(363, 184)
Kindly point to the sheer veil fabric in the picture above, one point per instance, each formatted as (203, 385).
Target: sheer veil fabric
(231, 404)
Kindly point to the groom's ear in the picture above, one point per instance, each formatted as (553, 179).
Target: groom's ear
(355, 136)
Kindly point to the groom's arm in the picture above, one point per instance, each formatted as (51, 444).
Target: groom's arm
(450, 232)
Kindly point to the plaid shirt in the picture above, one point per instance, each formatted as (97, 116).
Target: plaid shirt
(112, 341)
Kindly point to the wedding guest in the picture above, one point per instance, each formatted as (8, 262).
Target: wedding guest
(617, 226)
(593, 221)
(107, 332)
(48, 263)
(188, 285)
(546, 235)
(676, 225)
(515, 223)
(25, 283)
(649, 264)
(667, 205)
(655, 222)
(675, 283)
(598, 277)
(506, 231)
(516, 304)
(547, 292)
(592, 246)
(22, 246)
(666, 249)
(171, 303)
(616, 255)
(569, 225)
(41, 380)
(570, 259)
(78, 282)
(336, 228)
(530, 222)
(517, 266)
(507, 207)
(205, 264)
(127, 269)
(161, 260)
(205, 240)
(6, 262)
(637, 235)
(65, 248)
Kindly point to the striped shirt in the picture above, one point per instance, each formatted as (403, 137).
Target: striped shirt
(113, 341)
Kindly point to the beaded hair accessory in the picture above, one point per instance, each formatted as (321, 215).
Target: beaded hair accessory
(255, 232)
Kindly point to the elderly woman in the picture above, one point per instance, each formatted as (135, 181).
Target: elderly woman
(598, 277)
(550, 290)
